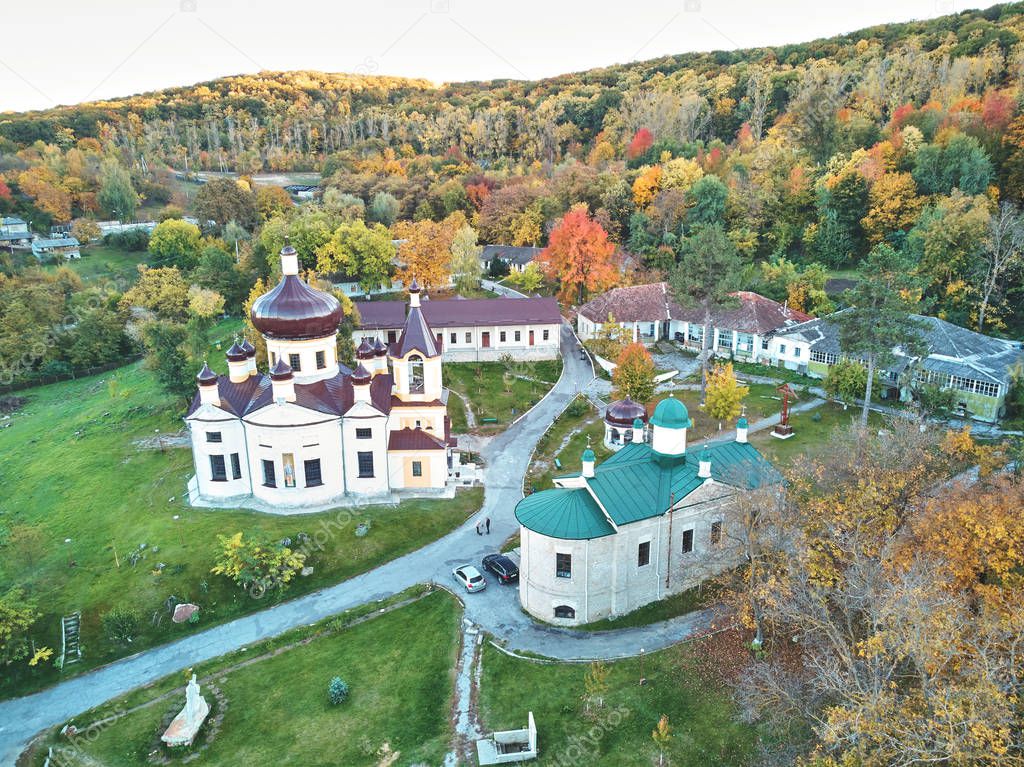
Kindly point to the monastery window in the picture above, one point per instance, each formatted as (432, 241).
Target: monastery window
(453, 337)
(986, 388)
(213, 436)
(687, 541)
(825, 358)
(724, 339)
(518, 335)
(643, 554)
(365, 464)
(716, 533)
(563, 565)
(417, 468)
(392, 336)
(564, 611)
(312, 471)
(744, 342)
(501, 336)
(364, 433)
(273, 359)
(796, 351)
(236, 467)
(547, 335)
(764, 344)
(321, 360)
(469, 337)
(295, 362)
(269, 475)
(416, 373)
(782, 348)
(217, 471)
(695, 333)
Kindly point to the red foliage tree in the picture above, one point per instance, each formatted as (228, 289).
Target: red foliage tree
(5, 191)
(579, 256)
(996, 111)
(643, 140)
(900, 115)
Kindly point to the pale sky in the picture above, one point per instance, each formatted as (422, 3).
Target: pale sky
(68, 51)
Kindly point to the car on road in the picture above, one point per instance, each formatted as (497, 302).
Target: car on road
(470, 577)
(504, 569)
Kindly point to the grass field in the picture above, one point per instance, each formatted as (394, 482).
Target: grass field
(702, 717)
(276, 709)
(81, 496)
(812, 433)
(101, 261)
(494, 392)
(566, 440)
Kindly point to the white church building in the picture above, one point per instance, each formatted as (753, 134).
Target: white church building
(639, 527)
(311, 432)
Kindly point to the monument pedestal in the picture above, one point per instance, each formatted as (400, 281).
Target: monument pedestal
(782, 431)
(184, 727)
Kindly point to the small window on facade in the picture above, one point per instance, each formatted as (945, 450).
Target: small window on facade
(469, 337)
(213, 436)
(273, 359)
(518, 335)
(236, 467)
(217, 470)
(564, 611)
(501, 336)
(547, 334)
(269, 477)
(321, 360)
(643, 554)
(364, 433)
(796, 351)
(365, 464)
(687, 541)
(294, 362)
(392, 336)
(563, 565)
(312, 471)
(453, 337)
(782, 348)
(417, 468)
(764, 343)
(716, 532)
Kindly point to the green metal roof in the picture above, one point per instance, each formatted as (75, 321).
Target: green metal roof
(672, 414)
(567, 513)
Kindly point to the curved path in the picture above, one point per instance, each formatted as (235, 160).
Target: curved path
(496, 610)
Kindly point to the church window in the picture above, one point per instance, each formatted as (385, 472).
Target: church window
(643, 554)
(687, 541)
(563, 565)
(564, 611)
(716, 532)
(217, 471)
(269, 476)
(312, 472)
(416, 373)
(294, 362)
(236, 467)
(417, 468)
(518, 335)
(364, 433)
(501, 336)
(547, 335)
(392, 336)
(365, 464)
(321, 360)
(213, 436)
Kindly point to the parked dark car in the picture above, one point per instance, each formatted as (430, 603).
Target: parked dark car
(503, 568)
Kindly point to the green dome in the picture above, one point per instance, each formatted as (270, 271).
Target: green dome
(588, 455)
(671, 414)
(742, 423)
(638, 424)
(705, 455)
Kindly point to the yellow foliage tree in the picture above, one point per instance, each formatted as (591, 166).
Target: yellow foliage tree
(256, 565)
(681, 173)
(723, 399)
(893, 205)
(647, 185)
(425, 253)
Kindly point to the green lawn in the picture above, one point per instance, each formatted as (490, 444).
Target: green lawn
(702, 717)
(495, 391)
(101, 261)
(276, 709)
(566, 439)
(81, 496)
(812, 432)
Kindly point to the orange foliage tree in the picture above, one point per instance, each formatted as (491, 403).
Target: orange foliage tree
(425, 252)
(579, 256)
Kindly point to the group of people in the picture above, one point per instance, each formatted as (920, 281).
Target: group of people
(486, 526)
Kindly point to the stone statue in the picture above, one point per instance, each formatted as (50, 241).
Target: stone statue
(182, 730)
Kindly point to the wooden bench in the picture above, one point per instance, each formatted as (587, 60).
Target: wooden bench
(488, 420)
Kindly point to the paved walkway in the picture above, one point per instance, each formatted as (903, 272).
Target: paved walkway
(507, 456)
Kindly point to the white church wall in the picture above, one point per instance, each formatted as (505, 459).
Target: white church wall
(231, 442)
(307, 349)
(288, 448)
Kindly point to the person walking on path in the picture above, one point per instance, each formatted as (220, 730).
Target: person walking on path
(478, 529)
(487, 525)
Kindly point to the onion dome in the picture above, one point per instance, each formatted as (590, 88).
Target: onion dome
(624, 411)
(589, 456)
(365, 350)
(379, 349)
(282, 371)
(248, 348)
(293, 310)
(638, 424)
(671, 414)
(705, 455)
(414, 287)
(360, 376)
(742, 423)
(206, 377)
(236, 353)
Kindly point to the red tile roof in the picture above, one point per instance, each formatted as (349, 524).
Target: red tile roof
(414, 439)
(380, 315)
(636, 303)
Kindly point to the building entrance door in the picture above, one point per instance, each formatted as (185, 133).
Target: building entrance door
(485, 340)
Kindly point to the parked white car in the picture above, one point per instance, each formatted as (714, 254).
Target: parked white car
(470, 577)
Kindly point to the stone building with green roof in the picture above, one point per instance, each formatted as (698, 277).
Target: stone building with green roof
(638, 527)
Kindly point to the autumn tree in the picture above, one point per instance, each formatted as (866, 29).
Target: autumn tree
(222, 199)
(640, 143)
(272, 201)
(1000, 256)
(359, 251)
(723, 398)
(162, 291)
(845, 380)
(529, 280)
(117, 196)
(647, 185)
(175, 243)
(579, 256)
(893, 205)
(425, 252)
(17, 614)
(256, 564)
(465, 254)
(879, 319)
(634, 373)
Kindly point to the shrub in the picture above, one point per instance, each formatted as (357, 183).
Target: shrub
(337, 691)
(121, 625)
(578, 407)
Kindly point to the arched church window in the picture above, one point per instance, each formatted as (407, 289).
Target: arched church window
(416, 373)
(564, 611)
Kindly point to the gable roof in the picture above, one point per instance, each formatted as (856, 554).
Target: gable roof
(414, 439)
(467, 312)
(635, 484)
(634, 303)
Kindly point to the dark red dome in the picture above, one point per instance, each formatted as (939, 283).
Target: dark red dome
(624, 411)
(293, 310)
